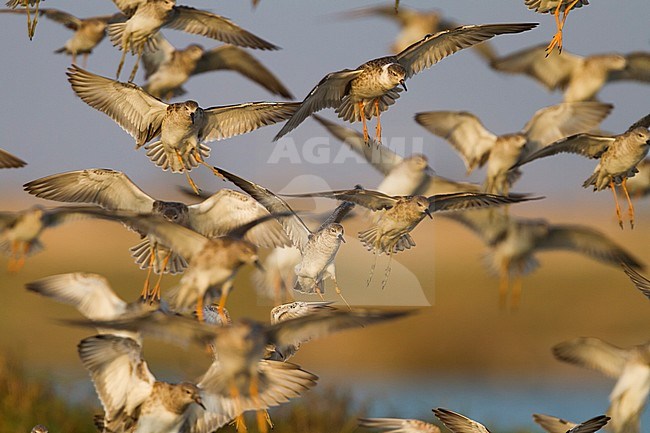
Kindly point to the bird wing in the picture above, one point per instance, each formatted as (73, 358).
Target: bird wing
(120, 375)
(230, 120)
(552, 72)
(562, 120)
(553, 424)
(593, 353)
(328, 93)
(153, 58)
(7, 160)
(278, 382)
(293, 226)
(433, 48)
(204, 23)
(381, 157)
(458, 423)
(471, 200)
(128, 7)
(305, 328)
(89, 293)
(398, 425)
(630, 395)
(341, 211)
(587, 241)
(373, 200)
(226, 210)
(642, 122)
(107, 188)
(464, 131)
(137, 112)
(591, 425)
(236, 59)
(163, 325)
(589, 145)
(297, 309)
(181, 240)
(641, 282)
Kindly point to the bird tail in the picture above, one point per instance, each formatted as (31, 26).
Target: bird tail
(142, 255)
(166, 158)
(115, 33)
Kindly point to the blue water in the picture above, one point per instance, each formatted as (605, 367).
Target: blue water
(500, 403)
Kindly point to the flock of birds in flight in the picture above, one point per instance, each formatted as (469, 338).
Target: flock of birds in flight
(209, 241)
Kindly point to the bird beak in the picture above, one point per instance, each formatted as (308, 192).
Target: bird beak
(192, 117)
(258, 265)
(198, 400)
(428, 212)
(342, 238)
(403, 83)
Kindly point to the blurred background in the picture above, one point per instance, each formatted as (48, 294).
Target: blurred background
(462, 351)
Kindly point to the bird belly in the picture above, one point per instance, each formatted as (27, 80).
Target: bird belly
(159, 420)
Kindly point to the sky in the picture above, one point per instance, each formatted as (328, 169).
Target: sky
(43, 121)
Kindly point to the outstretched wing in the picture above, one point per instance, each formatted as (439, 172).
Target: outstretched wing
(7, 160)
(562, 120)
(593, 353)
(589, 145)
(472, 200)
(107, 188)
(204, 23)
(464, 131)
(293, 225)
(641, 282)
(458, 423)
(398, 425)
(373, 200)
(589, 242)
(137, 112)
(230, 120)
(235, 59)
(552, 72)
(120, 375)
(328, 93)
(302, 329)
(433, 48)
(89, 293)
(226, 210)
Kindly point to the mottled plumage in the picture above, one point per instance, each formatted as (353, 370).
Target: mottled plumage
(182, 127)
(478, 146)
(366, 91)
(168, 68)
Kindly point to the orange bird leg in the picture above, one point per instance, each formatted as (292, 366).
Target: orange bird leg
(199, 308)
(630, 206)
(362, 113)
(557, 38)
(259, 413)
(618, 208)
(240, 423)
(504, 282)
(516, 288)
(378, 129)
(155, 292)
(13, 256)
(145, 289)
(200, 159)
(187, 173)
